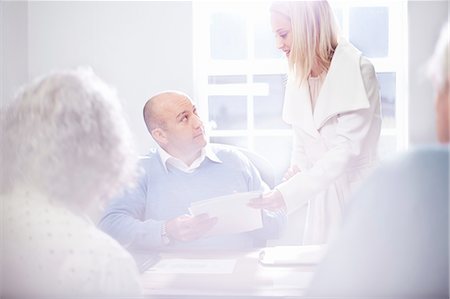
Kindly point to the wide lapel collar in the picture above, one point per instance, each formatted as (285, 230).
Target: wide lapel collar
(297, 109)
(343, 89)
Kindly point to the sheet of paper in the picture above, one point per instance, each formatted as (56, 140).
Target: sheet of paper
(292, 255)
(194, 266)
(233, 214)
(296, 280)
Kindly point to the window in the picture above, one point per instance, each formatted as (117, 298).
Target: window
(240, 75)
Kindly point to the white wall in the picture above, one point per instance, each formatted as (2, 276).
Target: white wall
(143, 47)
(137, 47)
(13, 48)
(425, 21)
(2, 45)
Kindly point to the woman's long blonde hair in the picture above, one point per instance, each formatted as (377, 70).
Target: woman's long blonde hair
(314, 35)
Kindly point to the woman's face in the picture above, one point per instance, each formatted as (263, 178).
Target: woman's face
(281, 26)
(442, 113)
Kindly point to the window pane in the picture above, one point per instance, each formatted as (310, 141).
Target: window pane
(387, 86)
(369, 30)
(233, 79)
(276, 149)
(237, 141)
(228, 112)
(387, 146)
(228, 36)
(338, 14)
(265, 47)
(268, 108)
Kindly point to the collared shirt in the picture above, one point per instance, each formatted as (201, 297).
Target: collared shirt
(167, 158)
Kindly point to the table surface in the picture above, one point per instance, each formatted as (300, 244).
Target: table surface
(249, 278)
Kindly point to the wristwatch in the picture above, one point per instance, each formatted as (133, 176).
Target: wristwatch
(164, 236)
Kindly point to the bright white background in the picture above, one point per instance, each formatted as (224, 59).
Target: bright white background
(144, 47)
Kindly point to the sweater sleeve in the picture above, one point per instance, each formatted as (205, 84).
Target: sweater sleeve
(255, 182)
(124, 219)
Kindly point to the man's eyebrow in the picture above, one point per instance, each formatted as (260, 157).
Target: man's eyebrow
(182, 113)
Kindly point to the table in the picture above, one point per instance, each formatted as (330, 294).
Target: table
(247, 279)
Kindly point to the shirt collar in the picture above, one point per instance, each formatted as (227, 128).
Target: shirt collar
(167, 158)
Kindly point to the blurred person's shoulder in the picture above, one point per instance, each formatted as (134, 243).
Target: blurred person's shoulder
(430, 157)
(397, 221)
(110, 267)
(413, 172)
(49, 241)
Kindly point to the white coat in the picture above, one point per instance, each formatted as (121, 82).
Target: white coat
(336, 145)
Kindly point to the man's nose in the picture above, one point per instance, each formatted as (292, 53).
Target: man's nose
(197, 122)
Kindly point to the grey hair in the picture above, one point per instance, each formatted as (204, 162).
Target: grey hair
(438, 68)
(65, 135)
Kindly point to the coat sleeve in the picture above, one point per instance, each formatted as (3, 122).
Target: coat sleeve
(351, 130)
(298, 156)
(125, 221)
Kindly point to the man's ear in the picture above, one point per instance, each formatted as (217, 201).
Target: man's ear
(159, 135)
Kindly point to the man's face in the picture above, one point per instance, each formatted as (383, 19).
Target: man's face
(183, 130)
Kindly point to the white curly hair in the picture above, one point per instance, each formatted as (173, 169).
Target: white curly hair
(65, 135)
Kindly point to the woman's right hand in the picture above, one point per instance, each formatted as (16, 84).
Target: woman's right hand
(291, 172)
(271, 201)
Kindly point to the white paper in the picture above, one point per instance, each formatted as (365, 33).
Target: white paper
(292, 255)
(232, 212)
(194, 266)
(294, 280)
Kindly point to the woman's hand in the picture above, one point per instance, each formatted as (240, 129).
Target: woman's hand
(272, 201)
(291, 172)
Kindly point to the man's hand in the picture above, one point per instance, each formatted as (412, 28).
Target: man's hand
(187, 228)
(272, 201)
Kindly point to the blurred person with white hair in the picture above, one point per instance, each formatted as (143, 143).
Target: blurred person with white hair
(394, 240)
(66, 148)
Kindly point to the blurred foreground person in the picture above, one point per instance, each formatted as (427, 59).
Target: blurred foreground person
(65, 150)
(394, 243)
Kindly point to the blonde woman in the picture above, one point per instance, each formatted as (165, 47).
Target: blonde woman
(332, 101)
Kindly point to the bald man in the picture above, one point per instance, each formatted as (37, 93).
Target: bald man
(183, 169)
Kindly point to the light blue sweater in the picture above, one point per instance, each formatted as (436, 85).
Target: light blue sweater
(135, 218)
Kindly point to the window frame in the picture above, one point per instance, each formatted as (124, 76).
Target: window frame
(395, 62)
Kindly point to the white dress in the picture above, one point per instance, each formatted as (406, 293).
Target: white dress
(335, 144)
(48, 250)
